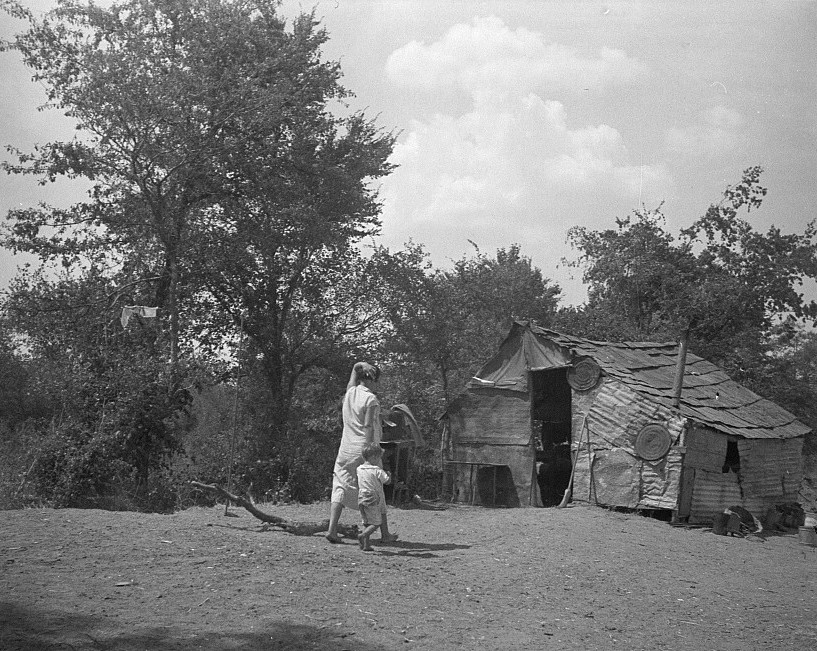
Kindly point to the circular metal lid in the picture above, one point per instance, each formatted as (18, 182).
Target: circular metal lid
(653, 442)
(584, 374)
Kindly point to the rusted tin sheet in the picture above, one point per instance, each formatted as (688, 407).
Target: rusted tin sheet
(705, 449)
(617, 415)
(620, 479)
(660, 482)
(770, 472)
(615, 479)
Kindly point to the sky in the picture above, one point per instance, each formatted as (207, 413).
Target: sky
(518, 119)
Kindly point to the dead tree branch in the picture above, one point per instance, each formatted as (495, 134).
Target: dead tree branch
(290, 526)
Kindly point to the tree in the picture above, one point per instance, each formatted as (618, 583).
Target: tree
(637, 274)
(221, 180)
(720, 280)
(452, 319)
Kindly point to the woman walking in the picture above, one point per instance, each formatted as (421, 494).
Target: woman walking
(361, 425)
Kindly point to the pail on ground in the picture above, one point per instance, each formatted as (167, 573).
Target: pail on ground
(808, 536)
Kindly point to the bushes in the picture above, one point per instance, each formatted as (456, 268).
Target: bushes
(80, 468)
(124, 444)
(303, 474)
(427, 474)
(112, 444)
(19, 448)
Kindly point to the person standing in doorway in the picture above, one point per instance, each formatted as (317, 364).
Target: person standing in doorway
(361, 425)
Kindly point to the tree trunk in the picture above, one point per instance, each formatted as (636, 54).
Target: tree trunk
(173, 308)
(279, 401)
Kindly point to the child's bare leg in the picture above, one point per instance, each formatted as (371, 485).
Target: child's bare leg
(368, 529)
(364, 539)
(385, 536)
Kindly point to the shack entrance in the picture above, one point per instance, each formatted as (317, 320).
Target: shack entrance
(551, 419)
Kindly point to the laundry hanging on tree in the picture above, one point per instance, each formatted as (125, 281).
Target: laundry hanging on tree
(140, 310)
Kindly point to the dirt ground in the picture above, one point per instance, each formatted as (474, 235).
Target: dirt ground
(462, 577)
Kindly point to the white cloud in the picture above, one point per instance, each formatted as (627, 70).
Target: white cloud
(505, 165)
(514, 154)
(486, 54)
(717, 131)
(507, 172)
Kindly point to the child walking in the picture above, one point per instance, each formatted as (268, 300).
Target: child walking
(371, 499)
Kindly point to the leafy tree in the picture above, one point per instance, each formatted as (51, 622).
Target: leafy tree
(636, 273)
(453, 319)
(222, 183)
(720, 280)
(108, 423)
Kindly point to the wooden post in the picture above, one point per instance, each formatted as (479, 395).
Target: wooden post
(680, 367)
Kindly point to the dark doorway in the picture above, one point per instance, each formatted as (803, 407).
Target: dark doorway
(551, 417)
(495, 486)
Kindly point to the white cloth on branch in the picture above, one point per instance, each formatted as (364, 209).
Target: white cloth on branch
(140, 310)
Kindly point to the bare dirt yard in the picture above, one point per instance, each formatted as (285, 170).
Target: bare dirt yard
(462, 577)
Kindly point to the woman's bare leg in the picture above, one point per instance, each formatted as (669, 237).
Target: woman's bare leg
(335, 509)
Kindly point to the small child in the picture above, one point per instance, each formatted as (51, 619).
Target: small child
(371, 500)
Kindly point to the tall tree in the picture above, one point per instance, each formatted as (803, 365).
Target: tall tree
(220, 176)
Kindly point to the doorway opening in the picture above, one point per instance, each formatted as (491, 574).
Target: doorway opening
(551, 418)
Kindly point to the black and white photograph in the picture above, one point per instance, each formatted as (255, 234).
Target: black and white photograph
(371, 325)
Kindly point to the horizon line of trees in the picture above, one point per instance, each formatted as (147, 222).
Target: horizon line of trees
(231, 188)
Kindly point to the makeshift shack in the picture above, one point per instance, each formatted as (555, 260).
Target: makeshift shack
(547, 401)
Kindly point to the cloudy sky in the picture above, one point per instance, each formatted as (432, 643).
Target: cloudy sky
(518, 119)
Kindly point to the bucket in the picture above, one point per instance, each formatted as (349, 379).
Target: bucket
(808, 536)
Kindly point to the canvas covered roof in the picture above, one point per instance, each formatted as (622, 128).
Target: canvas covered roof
(709, 396)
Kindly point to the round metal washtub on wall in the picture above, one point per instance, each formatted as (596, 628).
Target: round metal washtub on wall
(584, 374)
(653, 442)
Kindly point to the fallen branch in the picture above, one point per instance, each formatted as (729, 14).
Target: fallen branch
(244, 502)
(293, 527)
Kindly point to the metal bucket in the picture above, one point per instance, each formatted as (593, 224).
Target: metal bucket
(808, 536)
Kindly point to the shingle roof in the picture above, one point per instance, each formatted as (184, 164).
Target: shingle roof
(709, 395)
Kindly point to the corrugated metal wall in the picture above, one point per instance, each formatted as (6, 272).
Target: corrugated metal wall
(770, 473)
(615, 416)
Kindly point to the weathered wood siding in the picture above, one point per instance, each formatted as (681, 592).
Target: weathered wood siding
(491, 416)
(492, 426)
(472, 481)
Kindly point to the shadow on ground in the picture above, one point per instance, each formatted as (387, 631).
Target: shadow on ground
(30, 629)
(417, 549)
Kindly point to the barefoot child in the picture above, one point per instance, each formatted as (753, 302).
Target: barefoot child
(371, 499)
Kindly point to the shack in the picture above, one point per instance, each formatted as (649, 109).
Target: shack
(547, 402)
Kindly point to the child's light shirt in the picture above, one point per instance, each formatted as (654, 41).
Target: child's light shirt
(370, 480)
